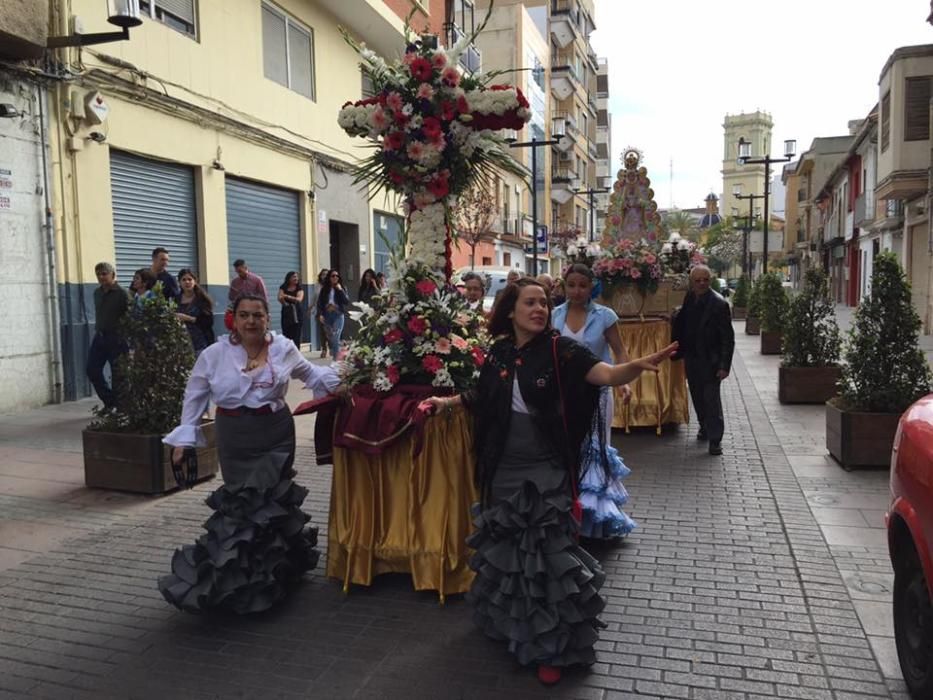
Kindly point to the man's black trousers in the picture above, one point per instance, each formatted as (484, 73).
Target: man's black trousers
(704, 391)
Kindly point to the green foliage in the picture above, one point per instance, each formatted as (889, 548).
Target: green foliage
(772, 302)
(740, 300)
(811, 335)
(150, 378)
(885, 370)
(754, 300)
(714, 285)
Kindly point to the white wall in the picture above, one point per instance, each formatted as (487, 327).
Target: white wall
(25, 343)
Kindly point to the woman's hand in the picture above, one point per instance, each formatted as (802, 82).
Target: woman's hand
(178, 453)
(432, 405)
(625, 391)
(184, 318)
(651, 363)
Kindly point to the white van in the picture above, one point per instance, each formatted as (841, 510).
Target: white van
(495, 280)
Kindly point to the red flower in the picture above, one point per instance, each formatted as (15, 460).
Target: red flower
(439, 187)
(448, 110)
(431, 127)
(401, 118)
(392, 373)
(432, 363)
(393, 336)
(421, 69)
(451, 77)
(397, 178)
(417, 325)
(394, 140)
(426, 287)
(479, 357)
(462, 105)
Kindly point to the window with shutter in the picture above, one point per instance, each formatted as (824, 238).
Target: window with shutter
(917, 109)
(885, 121)
(180, 15)
(287, 51)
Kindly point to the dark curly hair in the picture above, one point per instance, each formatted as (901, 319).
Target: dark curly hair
(499, 321)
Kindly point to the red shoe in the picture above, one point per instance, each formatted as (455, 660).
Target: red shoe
(549, 675)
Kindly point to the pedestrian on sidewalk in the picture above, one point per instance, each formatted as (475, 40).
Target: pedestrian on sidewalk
(290, 297)
(110, 305)
(703, 330)
(256, 541)
(602, 493)
(332, 304)
(534, 404)
(195, 310)
(170, 287)
(245, 282)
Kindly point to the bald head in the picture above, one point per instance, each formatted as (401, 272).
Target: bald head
(545, 280)
(700, 278)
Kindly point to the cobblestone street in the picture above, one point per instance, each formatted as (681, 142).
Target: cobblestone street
(761, 573)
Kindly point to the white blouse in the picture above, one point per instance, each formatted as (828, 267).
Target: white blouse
(219, 375)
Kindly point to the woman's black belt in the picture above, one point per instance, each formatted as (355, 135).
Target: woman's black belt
(245, 411)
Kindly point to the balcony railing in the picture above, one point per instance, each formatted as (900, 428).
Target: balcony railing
(563, 62)
(570, 123)
(592, 149)
(563, 174)
(566, 7)
(893, 209)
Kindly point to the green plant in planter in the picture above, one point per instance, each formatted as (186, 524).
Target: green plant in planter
(811, 335)
(151, 377)
(715, 285)
(754, 299)
(885, 371)
(740, 300)
(772, 302)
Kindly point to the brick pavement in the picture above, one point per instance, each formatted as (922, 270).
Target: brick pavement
(727, 590)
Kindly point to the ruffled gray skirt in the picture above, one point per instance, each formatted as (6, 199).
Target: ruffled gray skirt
(535, 587)
(256, 542)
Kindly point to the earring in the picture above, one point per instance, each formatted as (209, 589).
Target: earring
(268, 337)
(234, 337)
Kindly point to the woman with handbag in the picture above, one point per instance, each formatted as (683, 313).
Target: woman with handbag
(536, 401)
(290, 297)
(256, 543)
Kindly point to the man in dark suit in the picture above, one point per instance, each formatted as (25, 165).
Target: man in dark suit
(703, 327)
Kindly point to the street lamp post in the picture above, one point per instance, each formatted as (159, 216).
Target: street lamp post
(591, 198)
(534, 145)
(749, 224)
(745, 158)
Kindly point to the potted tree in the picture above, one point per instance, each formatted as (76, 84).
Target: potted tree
(752, 322)
(772, 307)
(123, 447)
(740, 300)
(884, 371)
(809, 368)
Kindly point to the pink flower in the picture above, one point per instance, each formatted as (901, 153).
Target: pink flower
(394, 141)
(417, 325)
(451, 77)
(616, 220)
(439, 60)
(634, 273)
(425, 92)
(379, 119)
(394, 101)
(432, 363)
(415, 150)
(442, 346)
(626, 262)
(458, 342)
(426, 287)
(650, 258)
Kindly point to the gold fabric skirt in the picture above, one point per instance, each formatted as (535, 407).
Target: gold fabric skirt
(395, 513)
(656, 398)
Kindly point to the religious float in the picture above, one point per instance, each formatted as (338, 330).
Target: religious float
(644, 279)
(403, 486)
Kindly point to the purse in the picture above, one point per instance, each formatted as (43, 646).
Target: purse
(576, 511)
(291, 315)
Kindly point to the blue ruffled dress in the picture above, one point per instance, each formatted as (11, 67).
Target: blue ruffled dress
(601, 498)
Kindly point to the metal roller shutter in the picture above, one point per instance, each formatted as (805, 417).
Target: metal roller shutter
(264, 229)
(153, 205)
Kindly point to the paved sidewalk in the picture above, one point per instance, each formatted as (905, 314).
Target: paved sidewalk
(739, 583)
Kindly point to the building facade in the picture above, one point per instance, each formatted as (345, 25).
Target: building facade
(604, 175)
(754, 128)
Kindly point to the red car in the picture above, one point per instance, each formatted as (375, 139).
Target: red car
(910, 536)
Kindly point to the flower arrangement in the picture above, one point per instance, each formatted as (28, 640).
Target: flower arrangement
(628, 262)
(420, 331)
(679, 254)
(434, 132)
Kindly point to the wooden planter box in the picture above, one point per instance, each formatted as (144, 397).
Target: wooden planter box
(771, 342)
(807, 384)
(857, 439)
(138, 463)
(752, 326)
(739, 313)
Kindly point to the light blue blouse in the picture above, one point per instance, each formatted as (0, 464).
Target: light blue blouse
(598, 319)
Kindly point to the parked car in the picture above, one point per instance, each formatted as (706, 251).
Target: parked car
(910, 534)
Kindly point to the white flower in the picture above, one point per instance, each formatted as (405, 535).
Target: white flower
(442, 378)
(666, 248)
(381, 382)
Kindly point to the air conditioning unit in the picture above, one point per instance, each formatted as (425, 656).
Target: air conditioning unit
(565, 157)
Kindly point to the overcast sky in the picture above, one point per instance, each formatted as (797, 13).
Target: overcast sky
(677, 67)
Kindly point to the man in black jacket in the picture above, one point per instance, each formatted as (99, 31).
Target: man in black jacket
(703, 327)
